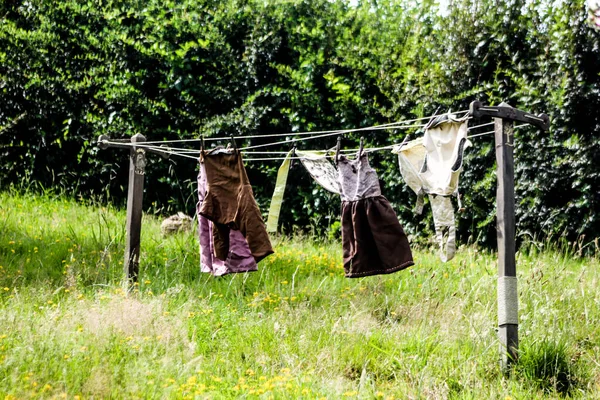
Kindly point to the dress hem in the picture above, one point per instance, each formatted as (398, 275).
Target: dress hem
(380, 271)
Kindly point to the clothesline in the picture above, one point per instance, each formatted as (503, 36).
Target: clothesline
(172, 150)
(368, 150)
(186, 153)
(182, 154)
(335, 133)
(393, 125)
(390, 125)
(197, 151)
(490, 132)
(167, 149)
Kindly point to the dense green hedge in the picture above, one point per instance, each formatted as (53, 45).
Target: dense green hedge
(71, 70)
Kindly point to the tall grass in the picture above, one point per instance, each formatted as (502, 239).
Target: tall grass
(295, 329)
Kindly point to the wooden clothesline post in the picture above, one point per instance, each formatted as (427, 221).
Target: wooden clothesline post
(135, 197)
(508, 319)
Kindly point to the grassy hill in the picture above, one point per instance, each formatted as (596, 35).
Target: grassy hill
(295, 329)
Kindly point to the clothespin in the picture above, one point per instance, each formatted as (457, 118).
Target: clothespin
(361, 147)
(202, 149)
(460, 205)
(404, 141)
(233, 143)
(337, 148)
(432, 119)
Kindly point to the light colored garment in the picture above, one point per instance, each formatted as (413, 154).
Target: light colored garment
(445, 229)
(431, 165)
(321, 169)
(444, 143)
(277, 199)
(411, 158)
(357, 179)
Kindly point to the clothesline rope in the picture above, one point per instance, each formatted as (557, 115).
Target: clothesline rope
(384, 126)
(148, 145)
(393, 125)
(186, 152)
(368, 150)
(322, 136)
(490, 132)
(197, 151)
(166, 150)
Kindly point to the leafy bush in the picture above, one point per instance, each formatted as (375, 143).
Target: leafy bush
(174, 70)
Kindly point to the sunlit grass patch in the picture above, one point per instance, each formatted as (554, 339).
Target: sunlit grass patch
(294, 329)
(548, 365)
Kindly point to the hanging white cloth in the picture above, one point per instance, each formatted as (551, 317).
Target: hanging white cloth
(445, 140)
(431, 165)
(411, 157)
(321, 169)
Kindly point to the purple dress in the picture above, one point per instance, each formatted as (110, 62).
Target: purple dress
(239, 258)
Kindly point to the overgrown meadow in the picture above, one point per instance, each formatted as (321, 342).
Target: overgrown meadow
(295, 329)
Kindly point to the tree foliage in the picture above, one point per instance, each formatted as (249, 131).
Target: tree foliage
(72, 70)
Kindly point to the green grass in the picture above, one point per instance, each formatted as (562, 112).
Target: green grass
(295, 329)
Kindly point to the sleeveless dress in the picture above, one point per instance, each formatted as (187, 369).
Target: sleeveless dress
(373, 240)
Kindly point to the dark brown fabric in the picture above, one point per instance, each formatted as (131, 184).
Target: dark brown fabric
(230, 204)
(373, 240)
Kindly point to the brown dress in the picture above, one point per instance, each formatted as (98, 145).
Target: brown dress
(230, 204)
(373, 240)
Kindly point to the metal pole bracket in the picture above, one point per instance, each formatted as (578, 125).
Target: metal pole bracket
(104, 142)
(505, 111)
